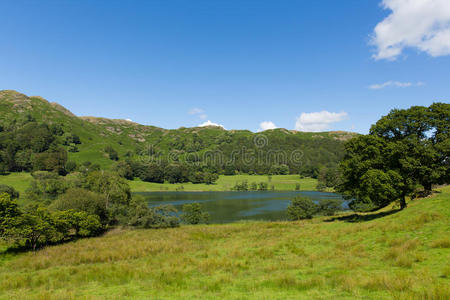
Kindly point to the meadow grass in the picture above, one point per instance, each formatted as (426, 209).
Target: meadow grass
(226, 183)
(20, 181)
(402, 255)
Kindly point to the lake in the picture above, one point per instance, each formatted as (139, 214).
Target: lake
(227, 207)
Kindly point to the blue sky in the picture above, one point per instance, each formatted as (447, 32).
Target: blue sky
(341, 64)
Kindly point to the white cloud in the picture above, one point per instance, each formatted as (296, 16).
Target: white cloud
(209, 123)
(266, 125)
(318, 121)
(394, 84)
(420, 24)
(195, 111)
(129, 120)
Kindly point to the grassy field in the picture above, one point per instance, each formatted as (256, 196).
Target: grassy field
(225, 183)
(21, 181)
(384, 255)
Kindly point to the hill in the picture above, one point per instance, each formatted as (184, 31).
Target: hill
(310, 150)
(388, 254)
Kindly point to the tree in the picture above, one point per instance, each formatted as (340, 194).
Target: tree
(140, 215)
(112, 153)
(369, 162)
(46, 186)
(81, 200)
(82, 223)
(111, 185)
(35, 228)
(424, 133)
(301, 208)
(193, 214)
(210, 178)
(9, 213)
(52, 160)
(152, 173)
(124, 169)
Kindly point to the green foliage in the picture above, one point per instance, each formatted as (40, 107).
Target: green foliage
(279, 169)
(124, 170)
(405, 149)
(241, 186)
(9, 190)
(82, 223)
(140, 215)
(112, 153)
(111, 185)
(9, 212)
(328, 207)
(328, 177)
(262, 186)
(81, 200)
(151, 173)
(194, 214)
(71, 166)
(46, 186)
(301, 208)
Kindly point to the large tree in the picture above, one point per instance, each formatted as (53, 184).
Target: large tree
(406, 149)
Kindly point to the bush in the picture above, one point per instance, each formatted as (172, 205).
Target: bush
(138, 214)
(328, 207)
(151, 173)
(194, 214)
(81, 200)
(262, 186)
(71, 166)
(9, 190)
(112, 153)
(301, 208)
(241, 186)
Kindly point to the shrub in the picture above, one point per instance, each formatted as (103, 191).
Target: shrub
(262, 186)
(301, 208)
(138, 214)
(194, 214)
(241, 186)
(9, 190)
(329, 207)
(71, 166)
(81, 200)
(112, 153)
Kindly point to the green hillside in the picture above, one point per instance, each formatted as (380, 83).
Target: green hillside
(183, 144)
(388, 254)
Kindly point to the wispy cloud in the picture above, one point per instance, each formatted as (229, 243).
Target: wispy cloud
(266, 125)
(195, 111)
(419, 24)
(392, 83)
(318, 121)
(198, 112)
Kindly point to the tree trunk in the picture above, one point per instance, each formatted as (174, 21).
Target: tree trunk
(427, 189)
(402, 202)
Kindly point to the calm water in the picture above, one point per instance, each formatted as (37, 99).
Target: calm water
(226, 207)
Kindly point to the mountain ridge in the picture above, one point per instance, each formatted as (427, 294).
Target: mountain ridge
(95, 119)
(131, 138)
